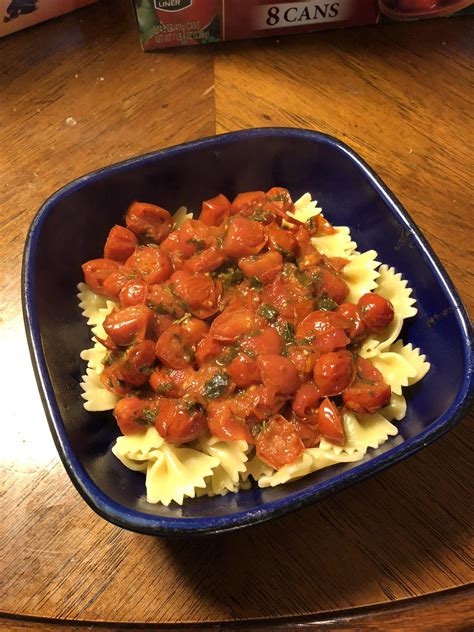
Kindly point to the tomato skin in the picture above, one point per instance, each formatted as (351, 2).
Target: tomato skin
(136, 363)
(281, 198)
(305, 398)
(357, 329)
(163, 384)
(376, 311)
(175, 347)
(206, 261)
(279, 444)
(224, 425)
(197, 291)
(96, 272)
(366, 371)
(134, 292)
(215, 211)
(292, 301)
(278, 373)
(171, 243)
(148, 221)
(177, 422)
(120, 244)
(303, 357)
(231, 324)
(319, 322)
(365, 398)
(111, 378)
(243, 371)
(330, 423)
(130, 414)
(334, 372)
(151, 263)
(116, 281)
(245, 202)
(194, 236)
(162, 300)
(208, 349)
(332, 285)
(266, 341)
(279, 239)
(262, 267)
(128, 325)
(307, 430)
(244, 238)
(196, 329)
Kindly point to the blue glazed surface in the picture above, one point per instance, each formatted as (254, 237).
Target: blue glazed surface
(71, 228)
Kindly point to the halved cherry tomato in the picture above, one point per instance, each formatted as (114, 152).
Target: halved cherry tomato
(175, 347)
(225, 425)
(265, 340)
(279, 444)
(367, 371)
(151, 263)
(196, 328)
(231, 324)
(323, 226)
(162, 300)
(331, 284)
(199, 293)
(206, 261)
(366, 398)
(116, 281)
(148, 221)
(336, 263)
(331, 340)
(246, 202)
(134, 292)
(96, 272)
(330, 423)
(303, 357)
(180, 420)
(288, 296)
(307, 430)
(376, 311)
(133, 414)
(135, 365)
(120, 243)
(278, 373)
(111, 378)
(243, 370)
(128, 325)
(334, 372)
(305, 398)
(357, 329)
(279, 239)
(215, 210)
(171, 243)
(208, 349)
(319, 322)
(281, 198)
(159, 324)
(244, 238)
(262, 267)
(194, 236)
(163, 384)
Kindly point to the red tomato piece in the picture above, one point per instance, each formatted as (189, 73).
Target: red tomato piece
(319, 322)
(111, 378)
(208, 349)
(159, 324)
(262, 267)
(128, 325)
(180, 420)
(307, 430)
(163, 384)
(334, 372)
(331, 284)
(120, 244)
(336, 263)
(265, 340)
(303, 357)
(281, 198)
(231, 324)
(376, 311)
(96, 272)
(288, 296)
(278, 373)
(279, 239)
(224, 425)
(366, 398)
(330, 422)
(244, 238)
(194, 236)
(175, 347)
(357, 329)
(279, 444)
(151, 263)
(136, 363)
(215, 210)
(367, 371)
(133, 293)
(206, 261)
(171, 243)
(162, 300)
(196, 328)
(148, 221)
(305, 398)
(246, 202)
(331, 340)
(243, 371)
(198, 292)
(133, 414)
(116, 281)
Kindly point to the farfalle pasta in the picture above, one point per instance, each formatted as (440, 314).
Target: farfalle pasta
(252, 345)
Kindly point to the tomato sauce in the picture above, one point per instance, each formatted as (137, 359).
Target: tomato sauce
(234, 323)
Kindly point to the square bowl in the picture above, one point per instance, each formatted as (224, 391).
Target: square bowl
(71, 228)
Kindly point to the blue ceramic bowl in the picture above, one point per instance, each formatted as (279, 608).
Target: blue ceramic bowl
(71, 228)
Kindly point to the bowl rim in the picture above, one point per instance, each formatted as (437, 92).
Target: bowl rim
(141, 522)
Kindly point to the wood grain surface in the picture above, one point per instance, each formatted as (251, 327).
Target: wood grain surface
(77, 93)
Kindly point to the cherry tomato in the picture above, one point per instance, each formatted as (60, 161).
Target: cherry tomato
(323, 227)
(279, 444)
(288, 296)
(116, 281)
(163, 384)
(194, 236)
(133, 414)
(366, 398)
(244, 238)
(148, 221)
(162, 300)
(175, 347)
(159, 324)
(135, 365)
(281, 198)
(120, 243)
(215, 210)
(208, 349)
(180, 420)
(331, 284)
(243, 370)
(307, 430)
(265, 340)
(151, 263)
(226, 426)
(96, 272)
(196, 328)
(330, 423)
(303, 357)
(319, 322)
(376, 311)
(231, 324)
(278, 373)
(111, 378)
(305, 398)
(357, 329)
(128, 325)
(206, 261)
(171, 243)
(279, 239)
(262, 267)
(246, 202)
(198, 292)
(133, 293)
(334, 372)
(367, 371)
(336, 263)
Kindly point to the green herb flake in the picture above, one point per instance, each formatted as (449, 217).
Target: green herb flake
(326, 303)
(228, 355)
(200, 244)
(164, 388)
(216, 386)
(256, 284)
(147, 418)
(289, 334)
(269, 313)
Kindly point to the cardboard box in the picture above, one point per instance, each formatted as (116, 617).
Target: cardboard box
(167, 23)
(19, 14)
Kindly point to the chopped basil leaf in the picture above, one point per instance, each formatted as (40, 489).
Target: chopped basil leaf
(326, 303)
(228, 355)
(255, 283)
(216, 386)
(164, 388)
(259, 215)
(289, 333)
(199, 243)
(269, 313)
(231, 276)
(147, 417)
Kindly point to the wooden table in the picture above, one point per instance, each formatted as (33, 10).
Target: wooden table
(77, 93)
